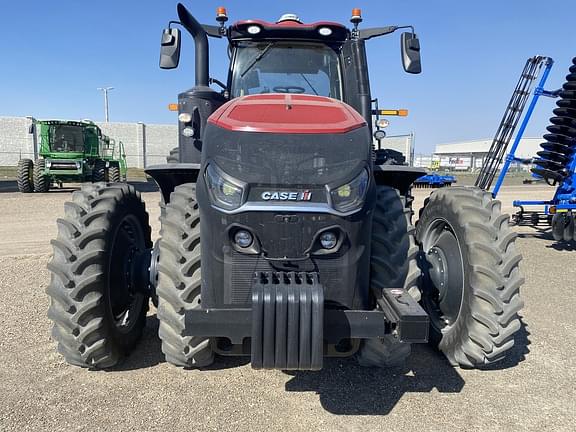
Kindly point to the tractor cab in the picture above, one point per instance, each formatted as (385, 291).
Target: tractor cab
(324, 59)
(286, 57)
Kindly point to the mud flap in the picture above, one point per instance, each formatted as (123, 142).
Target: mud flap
(287, 321)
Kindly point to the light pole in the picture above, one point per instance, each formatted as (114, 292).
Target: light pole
(106, 112)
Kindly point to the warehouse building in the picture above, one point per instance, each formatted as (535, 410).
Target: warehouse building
(470, 155)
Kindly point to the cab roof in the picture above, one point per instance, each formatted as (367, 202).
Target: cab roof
(290, 29)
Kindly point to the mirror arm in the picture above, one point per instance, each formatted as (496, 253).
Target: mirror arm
(406, 27)
(212, 31)
(218, 82)
(369, 33)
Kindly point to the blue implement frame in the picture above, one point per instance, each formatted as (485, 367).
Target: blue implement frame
(511, 157)
(564, 200)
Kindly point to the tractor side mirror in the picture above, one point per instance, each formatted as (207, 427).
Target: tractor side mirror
(170, 48)
(32, 129)
(411, 53)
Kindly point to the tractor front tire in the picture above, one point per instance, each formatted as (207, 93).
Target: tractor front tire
(25, 176)
(393, 264)
(471, 276)
(180, 280)
(114, 174)
(41, 180)
(97, 309)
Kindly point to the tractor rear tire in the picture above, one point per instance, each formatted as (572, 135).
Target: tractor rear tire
(41, 181)
(180, 279)
(471, 276)
(174, 156)
(114, 174)
(25, 176)
(99, 173)
(393, 264)
(97, 310)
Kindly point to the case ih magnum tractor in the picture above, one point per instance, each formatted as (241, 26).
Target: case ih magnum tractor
(281, 237)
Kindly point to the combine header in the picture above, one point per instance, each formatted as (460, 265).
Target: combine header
(283, 237)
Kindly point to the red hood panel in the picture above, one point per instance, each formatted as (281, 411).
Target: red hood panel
(287, 113)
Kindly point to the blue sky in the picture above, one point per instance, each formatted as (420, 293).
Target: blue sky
(55, 54)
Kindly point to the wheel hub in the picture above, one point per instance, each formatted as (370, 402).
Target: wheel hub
(124, 284)
(444, 275)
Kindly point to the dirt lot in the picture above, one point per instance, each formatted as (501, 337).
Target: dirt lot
(534, 390)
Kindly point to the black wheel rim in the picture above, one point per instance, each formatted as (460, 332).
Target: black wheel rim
(442, 262)
(125, 299)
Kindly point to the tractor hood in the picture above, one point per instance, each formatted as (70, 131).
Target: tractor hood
(287, 114)
(288, 140)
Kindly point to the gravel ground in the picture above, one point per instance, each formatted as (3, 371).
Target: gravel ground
(533, 390)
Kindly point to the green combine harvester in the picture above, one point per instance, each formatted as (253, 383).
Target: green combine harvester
(71, 152)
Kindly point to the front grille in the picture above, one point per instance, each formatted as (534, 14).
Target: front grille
(240, 270)
(63, 166)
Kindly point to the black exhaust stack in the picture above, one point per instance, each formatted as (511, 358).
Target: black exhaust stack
(201, 44)
(200, 101)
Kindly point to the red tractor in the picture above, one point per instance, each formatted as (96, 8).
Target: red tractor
(284, 237)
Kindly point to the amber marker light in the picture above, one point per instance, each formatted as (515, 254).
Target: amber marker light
(397, 112)
(221, 14)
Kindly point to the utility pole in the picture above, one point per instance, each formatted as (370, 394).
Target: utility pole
(106, 111)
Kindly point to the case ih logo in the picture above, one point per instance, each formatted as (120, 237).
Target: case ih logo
(287, 196)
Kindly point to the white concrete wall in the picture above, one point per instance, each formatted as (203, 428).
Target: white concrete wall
(160, 139)
(15, 141)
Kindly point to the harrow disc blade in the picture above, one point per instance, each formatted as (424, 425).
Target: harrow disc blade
(548, 174)
(557, 148)
(562, 130)
(549, 164)
(565, 112)
(566, 103)
(559, 140)
(564, 121)
(551, 155)
(568, 94)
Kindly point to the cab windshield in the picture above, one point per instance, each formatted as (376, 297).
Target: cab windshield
(284, 67)
(66, 139)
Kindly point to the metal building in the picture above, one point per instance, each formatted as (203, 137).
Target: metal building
(469, 155)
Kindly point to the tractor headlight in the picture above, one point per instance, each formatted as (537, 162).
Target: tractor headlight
(188, 132)
(48, 163)
(350, 196)
(226, 192)
(185, 117)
